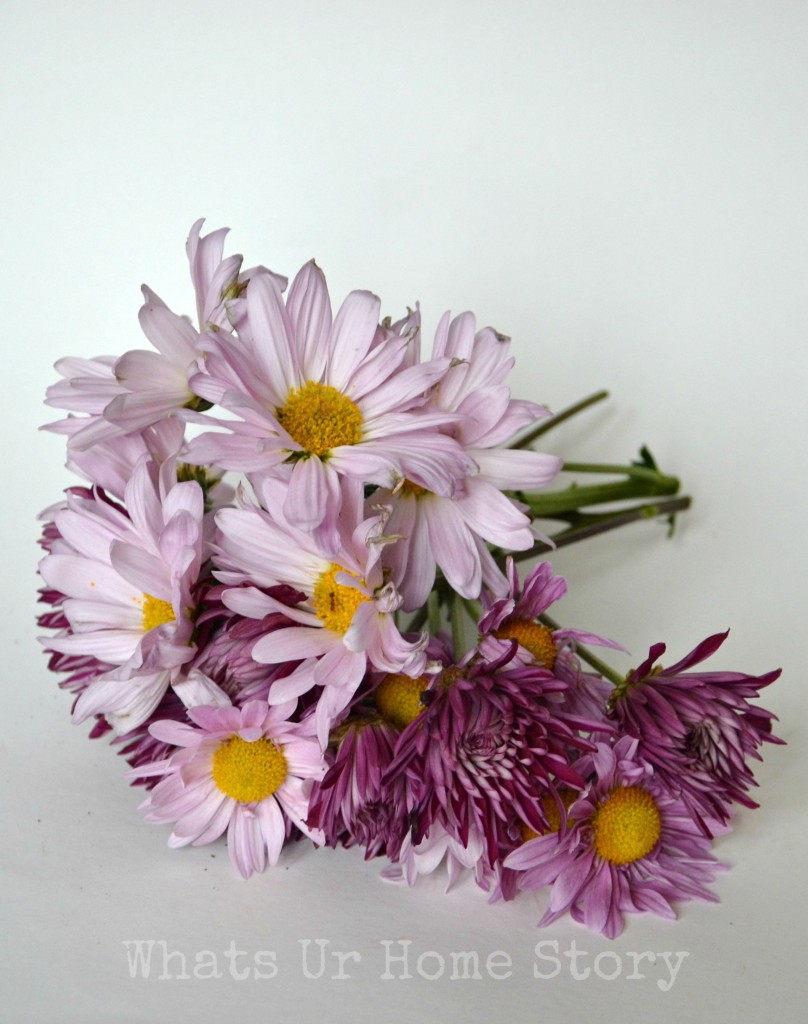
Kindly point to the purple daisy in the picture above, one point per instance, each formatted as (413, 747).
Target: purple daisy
(247, 770)
(514, 618)
(697, 729)
(627, 845)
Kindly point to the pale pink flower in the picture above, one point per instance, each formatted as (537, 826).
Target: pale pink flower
(344, 626)
(219, 282)
(247, 770)
(320, 399)
(127, 576)
(438, 848)
(123, 396)
(450, 531)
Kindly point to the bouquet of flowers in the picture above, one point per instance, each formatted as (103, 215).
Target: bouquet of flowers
(293, 588)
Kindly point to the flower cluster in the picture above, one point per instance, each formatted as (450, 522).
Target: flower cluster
(284, 508)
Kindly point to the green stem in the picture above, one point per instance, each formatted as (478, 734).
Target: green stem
(458, 627)
(586, 655)
(633, 471)
(560, 417)
(591, 525)
(417, 620)
(433, 612)
(554, 504)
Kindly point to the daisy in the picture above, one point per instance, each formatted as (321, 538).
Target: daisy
(345, 624)
(127, 582)
(247, 771)
(450, 530)
(123, 396)
(626, 845)
(697, 729)
(318, 399)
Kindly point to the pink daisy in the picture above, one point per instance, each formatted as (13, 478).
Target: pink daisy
(320, 399)
(219, 282)
(247, 770)
(344, 626)
(123, 396)
(626, 845)
(438, 848)
(450, 530)
(127, 582)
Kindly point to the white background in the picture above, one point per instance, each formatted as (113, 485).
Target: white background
(621, 187)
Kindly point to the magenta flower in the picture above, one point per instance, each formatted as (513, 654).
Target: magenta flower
(514, 616)
(697, 729)
(485, 742)
(627, 845)
(350, 804)
(247, 771)
(322, 399)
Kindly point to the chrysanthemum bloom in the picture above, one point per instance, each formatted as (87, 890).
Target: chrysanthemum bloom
(514, 618)
(127, 581)
(247, 770)
(629, 845)
(344, 627)
(485, 742)
(319, 400)
(450, 530)
(350, 804)
(697, 729)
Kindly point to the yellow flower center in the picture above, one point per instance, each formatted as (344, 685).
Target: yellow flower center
(398, 698)
(551, 812)
(156, 612)
(627, 825)
(320, 418)
(416, 490)
(334, 603)
(246, 771)
(533, 637)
